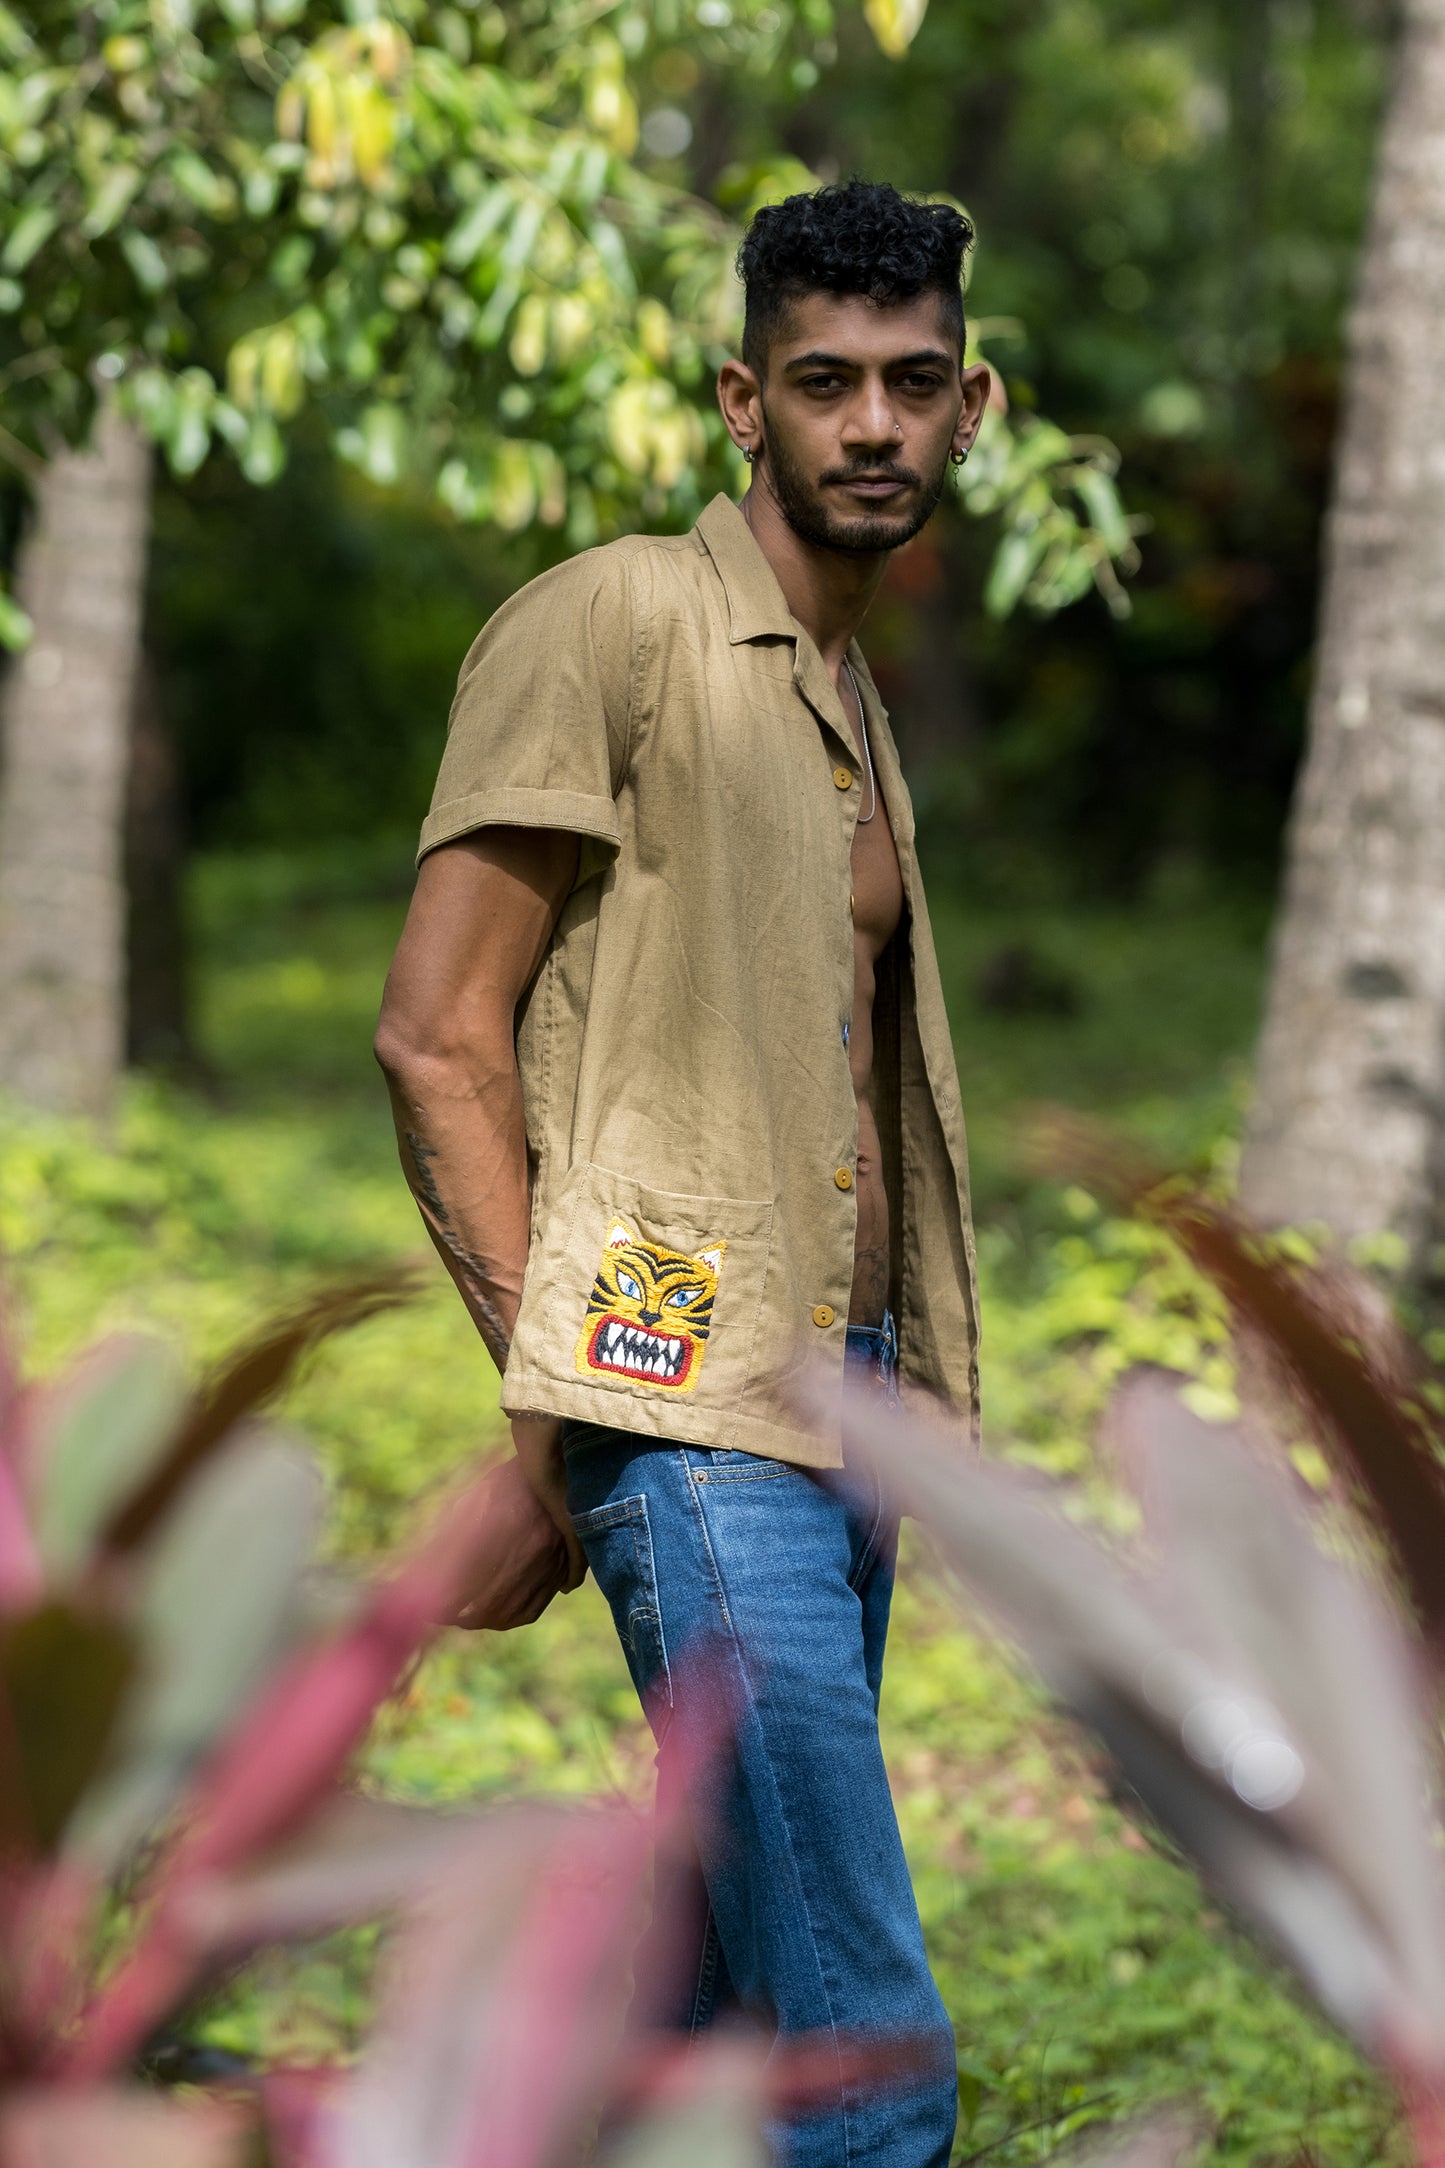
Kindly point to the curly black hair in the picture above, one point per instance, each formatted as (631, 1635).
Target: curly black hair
(861, 237)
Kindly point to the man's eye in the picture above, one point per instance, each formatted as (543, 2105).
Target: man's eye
(629, 1286)
(821, 383)
(681, 1295)
(922, 383)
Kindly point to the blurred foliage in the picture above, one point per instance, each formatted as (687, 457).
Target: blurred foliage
(1168, 201)
(1086, 1974)
(1169, 196)
(449, 234)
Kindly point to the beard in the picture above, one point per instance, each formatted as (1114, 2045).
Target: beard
(807, 512)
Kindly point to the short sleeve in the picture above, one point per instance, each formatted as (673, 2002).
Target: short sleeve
(539, 727)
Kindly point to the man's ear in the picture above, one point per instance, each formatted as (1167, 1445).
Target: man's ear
(977, 385)
(740, 396)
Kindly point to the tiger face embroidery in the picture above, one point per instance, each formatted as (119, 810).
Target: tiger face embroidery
(649, 1313)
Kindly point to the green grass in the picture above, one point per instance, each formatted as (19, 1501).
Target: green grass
(1086, 1973)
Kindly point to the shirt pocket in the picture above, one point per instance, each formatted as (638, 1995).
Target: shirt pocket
(654, 1295)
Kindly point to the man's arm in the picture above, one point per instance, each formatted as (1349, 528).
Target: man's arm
(479, 924)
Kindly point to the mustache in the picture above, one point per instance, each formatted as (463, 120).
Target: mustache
(873, 470)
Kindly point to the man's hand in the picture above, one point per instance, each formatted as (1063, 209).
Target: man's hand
(538, 1439)
(522, 1559)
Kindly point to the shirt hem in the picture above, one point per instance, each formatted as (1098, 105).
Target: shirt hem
(669, 1420)
(571, 810)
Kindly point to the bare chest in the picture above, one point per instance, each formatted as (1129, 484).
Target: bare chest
(877, 882)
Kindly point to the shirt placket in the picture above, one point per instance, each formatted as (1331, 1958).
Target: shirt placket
(816, 688)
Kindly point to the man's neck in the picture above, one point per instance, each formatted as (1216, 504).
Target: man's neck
(828, 591)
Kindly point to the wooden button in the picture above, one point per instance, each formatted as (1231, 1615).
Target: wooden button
(823, 1315)
(843, 778)
(850, 902)
(844, 1178)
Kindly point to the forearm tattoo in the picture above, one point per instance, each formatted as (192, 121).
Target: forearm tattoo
(423, 1180)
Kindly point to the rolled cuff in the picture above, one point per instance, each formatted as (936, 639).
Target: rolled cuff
(570, 810)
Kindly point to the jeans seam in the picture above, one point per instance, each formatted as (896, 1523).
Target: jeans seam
(716, 1576)
(647, 1575)
(702, 1994)
(870, 1546)
(742, 1663)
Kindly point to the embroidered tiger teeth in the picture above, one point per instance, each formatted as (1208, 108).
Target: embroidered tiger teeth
(631, 1347)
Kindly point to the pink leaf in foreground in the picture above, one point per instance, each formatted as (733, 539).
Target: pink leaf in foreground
(278, 1763)
(21, 1577)
(1237, 1746)
(113, 2128)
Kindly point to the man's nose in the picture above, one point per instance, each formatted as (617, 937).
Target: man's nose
(870, 421)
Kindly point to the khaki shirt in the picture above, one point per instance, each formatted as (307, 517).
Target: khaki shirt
(691, 1120)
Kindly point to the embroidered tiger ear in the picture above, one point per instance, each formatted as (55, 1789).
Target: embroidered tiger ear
(712, 1258)
(619, 1236)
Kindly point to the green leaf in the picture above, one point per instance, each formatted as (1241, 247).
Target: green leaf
(210, 191)
(220, 1603)
(16, 630)
(1041, 445)
(493, 320)
(1106, 513)
(111, 200)
(522, 238)
(190, 439)
(29, 234)
(263, 454)
(100, 1432)
(1012, 569)
(895, 23)
(148, 265)
(383, 443)
(465, 241)
(612, 251)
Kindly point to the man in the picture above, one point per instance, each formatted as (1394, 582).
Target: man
(676, 1096)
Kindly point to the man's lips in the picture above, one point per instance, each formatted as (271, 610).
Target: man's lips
(875, 485)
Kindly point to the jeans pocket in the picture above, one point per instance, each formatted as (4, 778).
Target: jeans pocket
(617, 1538)
(728, 1465)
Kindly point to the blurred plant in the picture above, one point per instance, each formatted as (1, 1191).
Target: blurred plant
(433, 231)
(1272, 1702)
(1064, 528)
(175, 1721)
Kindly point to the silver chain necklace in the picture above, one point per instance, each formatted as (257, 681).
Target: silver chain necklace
(863, 818)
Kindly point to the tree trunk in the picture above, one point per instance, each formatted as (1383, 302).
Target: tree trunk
(157, 1006)
(1350, 1101)
(66, 747)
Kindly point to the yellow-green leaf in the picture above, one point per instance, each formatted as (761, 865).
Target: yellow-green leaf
(895, 23)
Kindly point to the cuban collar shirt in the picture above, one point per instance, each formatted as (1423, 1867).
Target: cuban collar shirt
(691, 1120)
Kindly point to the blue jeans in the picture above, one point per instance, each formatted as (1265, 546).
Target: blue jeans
(775, 1583)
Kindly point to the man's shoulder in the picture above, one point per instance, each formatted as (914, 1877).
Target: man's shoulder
(613, 572)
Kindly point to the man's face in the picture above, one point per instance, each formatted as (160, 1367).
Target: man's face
(860, 409)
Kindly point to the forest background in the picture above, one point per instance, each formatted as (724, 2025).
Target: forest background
(1169, 200)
